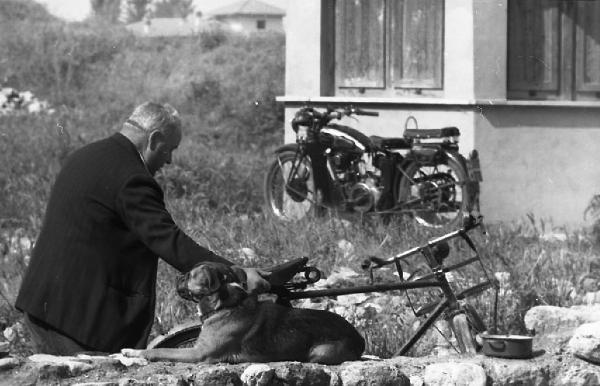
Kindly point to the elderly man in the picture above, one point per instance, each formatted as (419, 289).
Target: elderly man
(91, 281)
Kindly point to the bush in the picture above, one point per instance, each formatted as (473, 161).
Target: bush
(19, 10)
(95, 74)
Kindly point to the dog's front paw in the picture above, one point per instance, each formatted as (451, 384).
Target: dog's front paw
(132, 353)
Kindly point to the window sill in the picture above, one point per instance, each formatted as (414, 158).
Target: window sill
(292, 99)
(375, 100)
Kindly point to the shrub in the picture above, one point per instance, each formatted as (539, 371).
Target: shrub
(19, 10)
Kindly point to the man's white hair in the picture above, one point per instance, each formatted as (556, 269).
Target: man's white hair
(150, 116)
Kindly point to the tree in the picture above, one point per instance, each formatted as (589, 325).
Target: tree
(173, 8)
(133, 10)
(18, 10)
(106, 9)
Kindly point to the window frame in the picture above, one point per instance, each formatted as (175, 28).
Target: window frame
(390, 84)
(569, 52)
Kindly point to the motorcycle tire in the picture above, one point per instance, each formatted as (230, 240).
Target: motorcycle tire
(435, 207)
(289, 198)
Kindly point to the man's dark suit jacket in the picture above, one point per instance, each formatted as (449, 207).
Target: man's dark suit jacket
(92, 274)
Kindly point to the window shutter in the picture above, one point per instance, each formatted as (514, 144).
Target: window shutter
(533, 46)
(417, 36)
(360, 45)
(587, 48)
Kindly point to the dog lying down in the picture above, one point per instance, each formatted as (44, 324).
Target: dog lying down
(239, 328)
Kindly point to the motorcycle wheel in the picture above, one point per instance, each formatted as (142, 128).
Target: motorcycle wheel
(289, 197)
(436, 195)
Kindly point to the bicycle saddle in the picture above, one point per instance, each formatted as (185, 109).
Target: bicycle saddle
(284, 272)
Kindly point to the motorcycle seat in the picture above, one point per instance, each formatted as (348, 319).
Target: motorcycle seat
(390, 143)
(431, 133)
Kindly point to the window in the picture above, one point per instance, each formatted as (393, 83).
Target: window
(261, 24)
(554, 49)
(388, 47)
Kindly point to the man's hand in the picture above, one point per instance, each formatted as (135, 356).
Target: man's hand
(256, 280)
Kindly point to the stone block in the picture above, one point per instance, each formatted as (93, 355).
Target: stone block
(453, 373)
(585, 342)
(372, 373)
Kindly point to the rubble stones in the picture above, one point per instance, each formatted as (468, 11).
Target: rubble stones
(519, 372)
(449, 373)
(15, 102)
(258, 374)
(372, 373)
(451, 370)
(579, 376)
(8, 363)
(552, 319)
(585, 342)
(60, 366)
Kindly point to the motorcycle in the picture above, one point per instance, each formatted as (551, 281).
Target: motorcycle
(336, 167)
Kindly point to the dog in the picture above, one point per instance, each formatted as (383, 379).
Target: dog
(239, 328)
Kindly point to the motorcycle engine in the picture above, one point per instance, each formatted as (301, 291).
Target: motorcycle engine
(363, 195)
(359, 179)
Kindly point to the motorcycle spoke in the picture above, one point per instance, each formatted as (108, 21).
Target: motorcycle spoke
(291, 191)
(434, 194)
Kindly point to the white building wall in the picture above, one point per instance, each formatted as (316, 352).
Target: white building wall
(248, 23)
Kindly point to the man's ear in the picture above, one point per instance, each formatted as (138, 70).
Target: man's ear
(155, 138)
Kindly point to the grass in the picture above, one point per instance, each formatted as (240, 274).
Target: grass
(224, 87)
(536, 268)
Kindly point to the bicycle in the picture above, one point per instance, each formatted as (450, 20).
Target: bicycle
(462, 318)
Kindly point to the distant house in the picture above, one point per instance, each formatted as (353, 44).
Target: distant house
(171, 26)
(250, 16)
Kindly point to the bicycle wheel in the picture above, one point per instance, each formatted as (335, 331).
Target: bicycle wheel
(289, 189)
(436, 195)
(179, 337)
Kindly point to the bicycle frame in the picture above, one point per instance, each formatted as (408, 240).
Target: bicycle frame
(449, 303)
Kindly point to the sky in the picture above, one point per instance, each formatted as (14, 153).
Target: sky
(74, 10)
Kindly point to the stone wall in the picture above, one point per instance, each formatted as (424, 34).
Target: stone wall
(566, 352)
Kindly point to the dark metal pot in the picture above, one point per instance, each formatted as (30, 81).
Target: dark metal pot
(508, 346)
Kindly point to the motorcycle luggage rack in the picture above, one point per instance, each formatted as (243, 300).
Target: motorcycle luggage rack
(432, 133)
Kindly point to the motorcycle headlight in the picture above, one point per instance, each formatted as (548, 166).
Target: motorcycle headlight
(302, 133)
(301, 119)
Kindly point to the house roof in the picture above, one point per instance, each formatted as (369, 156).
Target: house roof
(247, 8)
(169, 26)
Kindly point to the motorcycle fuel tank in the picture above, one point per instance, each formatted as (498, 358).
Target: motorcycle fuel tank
(338, 140)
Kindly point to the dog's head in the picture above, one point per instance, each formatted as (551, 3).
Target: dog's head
(213, 286)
